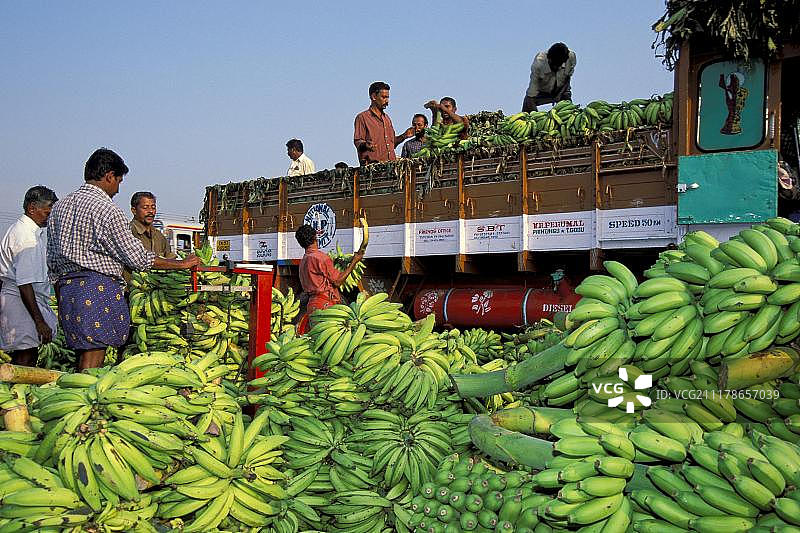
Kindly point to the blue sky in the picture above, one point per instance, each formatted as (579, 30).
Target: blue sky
(195, 93)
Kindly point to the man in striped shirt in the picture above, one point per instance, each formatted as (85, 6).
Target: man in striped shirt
(89, 243)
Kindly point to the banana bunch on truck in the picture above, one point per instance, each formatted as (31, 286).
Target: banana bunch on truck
(440, 137)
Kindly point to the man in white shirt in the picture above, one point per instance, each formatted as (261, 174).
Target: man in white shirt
(301, 164)
(26, 320)
(551, 72)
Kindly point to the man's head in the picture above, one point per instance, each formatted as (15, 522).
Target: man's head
(294, 148)
(341, 165)
(305, 235)
(557, 55)
(379, 94)
(448, 103)
(143, 207)
(105, 169)
(419, 123)
(38, 202)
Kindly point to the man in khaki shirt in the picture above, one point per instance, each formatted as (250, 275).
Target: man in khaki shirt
(143, 207)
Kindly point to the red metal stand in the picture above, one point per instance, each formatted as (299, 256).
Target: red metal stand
(260, 314)
(262, 277)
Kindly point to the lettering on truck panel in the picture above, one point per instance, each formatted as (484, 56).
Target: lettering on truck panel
(556, 308)
(264, 251)
(558, 224)
(635, 223)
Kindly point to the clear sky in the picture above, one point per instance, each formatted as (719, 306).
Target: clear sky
(192, 93)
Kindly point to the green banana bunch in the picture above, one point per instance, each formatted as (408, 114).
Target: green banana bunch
(405, 450)
(170, 318)
(285, 309)
(341, 261)
(566, 122)
(232, 474)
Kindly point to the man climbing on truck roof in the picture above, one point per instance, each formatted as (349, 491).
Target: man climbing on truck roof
(551, 72)
(319, 278)
(374, 135)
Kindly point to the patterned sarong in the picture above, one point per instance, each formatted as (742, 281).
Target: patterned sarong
(92, 310)
(318, 301)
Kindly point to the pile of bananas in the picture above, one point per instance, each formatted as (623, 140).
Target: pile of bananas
(37, 499)
(679, 470)
(568, 121)
(110, 434)
(233, 474)
(364, 400)
(564, 122)
(466, 495)
(285, 308)
(487, 343)
(715, 444)
(167, 316)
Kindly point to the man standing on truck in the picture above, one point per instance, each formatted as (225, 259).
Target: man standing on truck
(26, 320)
(89, 243)
(414, 145)
(319, 278)
(444, 113)
(373, 131)
(551, 72)
(301, 164)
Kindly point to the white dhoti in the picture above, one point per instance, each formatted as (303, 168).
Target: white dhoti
(17, 330)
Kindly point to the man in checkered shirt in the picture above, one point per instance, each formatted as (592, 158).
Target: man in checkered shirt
(89, 243)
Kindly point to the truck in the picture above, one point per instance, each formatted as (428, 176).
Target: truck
(498, 237)
(182, 235)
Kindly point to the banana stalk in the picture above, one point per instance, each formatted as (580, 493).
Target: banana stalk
(509, 446)
(512, 378)
(27, 374)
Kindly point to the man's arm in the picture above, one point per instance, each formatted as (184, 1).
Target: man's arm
(29, 301)
(128, 250)
(360, 136)
(572, 60)
(534, 85)
(403, 136)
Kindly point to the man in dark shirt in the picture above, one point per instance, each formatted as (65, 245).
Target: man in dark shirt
(373, 131)
(414, 145)
(143, 208)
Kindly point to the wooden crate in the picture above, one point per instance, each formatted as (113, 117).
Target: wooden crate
(494, 169)
(492, 200)
(492, 186)
(231, 200)
(560, 181)
(328, 187)
(381, 195)
(436, 192)
(263, 205)
(637, 171)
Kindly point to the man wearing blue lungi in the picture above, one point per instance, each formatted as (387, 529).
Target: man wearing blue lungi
(89, 243)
